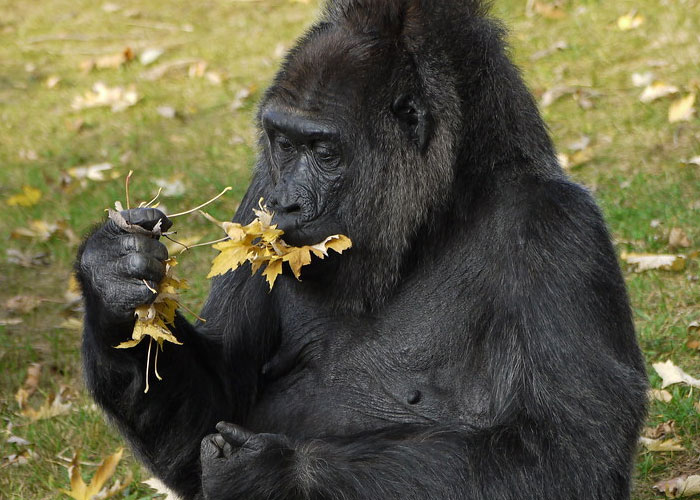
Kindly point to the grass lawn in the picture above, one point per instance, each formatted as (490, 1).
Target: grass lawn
(217, 59)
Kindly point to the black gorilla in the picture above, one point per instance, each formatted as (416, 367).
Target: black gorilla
(475, 343)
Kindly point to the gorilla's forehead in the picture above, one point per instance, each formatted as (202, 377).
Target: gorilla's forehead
(330, 70)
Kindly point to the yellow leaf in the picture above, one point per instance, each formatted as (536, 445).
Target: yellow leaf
(672, 444)
(53, 406)
(682, 110)
(273, 269)
(297, 258)
(657, 90)
(259, 243)
(81, 491)
(30, 384)
(29, 197)
(630, 21)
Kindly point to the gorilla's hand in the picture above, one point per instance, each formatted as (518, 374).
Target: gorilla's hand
(237, 463)
(114, 264)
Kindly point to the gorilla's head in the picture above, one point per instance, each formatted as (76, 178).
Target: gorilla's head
(380, 121)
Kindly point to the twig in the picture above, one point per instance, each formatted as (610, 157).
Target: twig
(228, 188)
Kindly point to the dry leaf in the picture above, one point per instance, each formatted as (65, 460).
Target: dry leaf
(672, 444)
(52, 81)
(549, 10)
(259, 243)
(682, 486)
(162, 69)
(682, 110)
(671, 374)
(41, 230)
(642, 79)
(660, 395)
(112, 61)
(694, 326)
(646, 262)
(657, 90)
(161, 489)
(22, 304)
(576, 159)
(172, 187)
(149, 56)
(53, 406)
(695, 160)
(10, 321)
(678, 238)
(21, 458)
(81, 491)
(630, 21)
(94, 172)
(116, 98)
(29, 197)
(27, 259)
(664, 429)
(31, 382)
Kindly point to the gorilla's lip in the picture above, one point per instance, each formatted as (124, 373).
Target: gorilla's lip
(299, 231)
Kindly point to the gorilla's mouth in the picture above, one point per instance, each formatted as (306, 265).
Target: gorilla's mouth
(299, 231)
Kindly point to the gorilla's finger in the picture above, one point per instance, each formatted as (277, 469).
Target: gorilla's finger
(141, 266)
(234, 434)
(147, 218)
(139, 243)
(210, 448)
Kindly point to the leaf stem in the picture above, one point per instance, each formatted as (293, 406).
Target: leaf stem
(228, 188)
(126, 188)
(148, 362)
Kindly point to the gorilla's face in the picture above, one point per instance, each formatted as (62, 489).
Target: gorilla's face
(308, 162)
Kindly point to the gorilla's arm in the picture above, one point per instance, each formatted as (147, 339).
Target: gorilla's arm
(209, 378)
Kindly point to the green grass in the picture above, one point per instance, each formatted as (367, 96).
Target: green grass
(636, 171)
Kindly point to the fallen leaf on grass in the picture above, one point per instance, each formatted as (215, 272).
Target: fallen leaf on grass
(161, 489)
(682, 110)
(94, 172)
(660, 395)
(630, 21)
(646, 262)
(29, 197)
(681, 486)
(53, 406)
(553, 10)
(671, 374)
(576, 159)
(159, 71)
(52, 81)
(21, 458)
(672, 444)
(149, 56)
(642, 79)
(664, 429)
(657, 90)
(116, 98)
(23, 304)
(695, 160)
(81, 491)
(41, 230)
(110, 61)
(172, 187)
(678, 238)
(31, 382)
(27, 259)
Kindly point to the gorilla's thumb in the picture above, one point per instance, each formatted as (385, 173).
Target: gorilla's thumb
(234, 434)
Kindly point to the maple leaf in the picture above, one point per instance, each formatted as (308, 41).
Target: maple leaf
(29, 197)
(259, 243)
(79, 490)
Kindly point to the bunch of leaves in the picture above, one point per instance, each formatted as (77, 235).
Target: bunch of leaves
(260, 244)
(79, 490)
(152, 319)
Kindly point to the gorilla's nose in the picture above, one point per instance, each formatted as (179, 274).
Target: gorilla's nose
(284, 207)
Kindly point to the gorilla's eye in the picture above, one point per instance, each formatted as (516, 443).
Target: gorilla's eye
(284, 144)
(325, 152)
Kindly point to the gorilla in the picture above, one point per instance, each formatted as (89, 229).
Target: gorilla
(476, 342)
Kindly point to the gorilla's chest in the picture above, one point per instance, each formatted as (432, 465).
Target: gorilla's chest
(344, 375)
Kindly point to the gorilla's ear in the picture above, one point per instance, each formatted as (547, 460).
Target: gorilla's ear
(414, 119)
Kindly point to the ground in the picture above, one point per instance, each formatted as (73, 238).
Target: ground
(219, 57)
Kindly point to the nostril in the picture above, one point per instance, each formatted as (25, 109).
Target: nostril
(294, 208)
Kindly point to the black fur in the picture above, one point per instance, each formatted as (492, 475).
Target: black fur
(475, 343)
